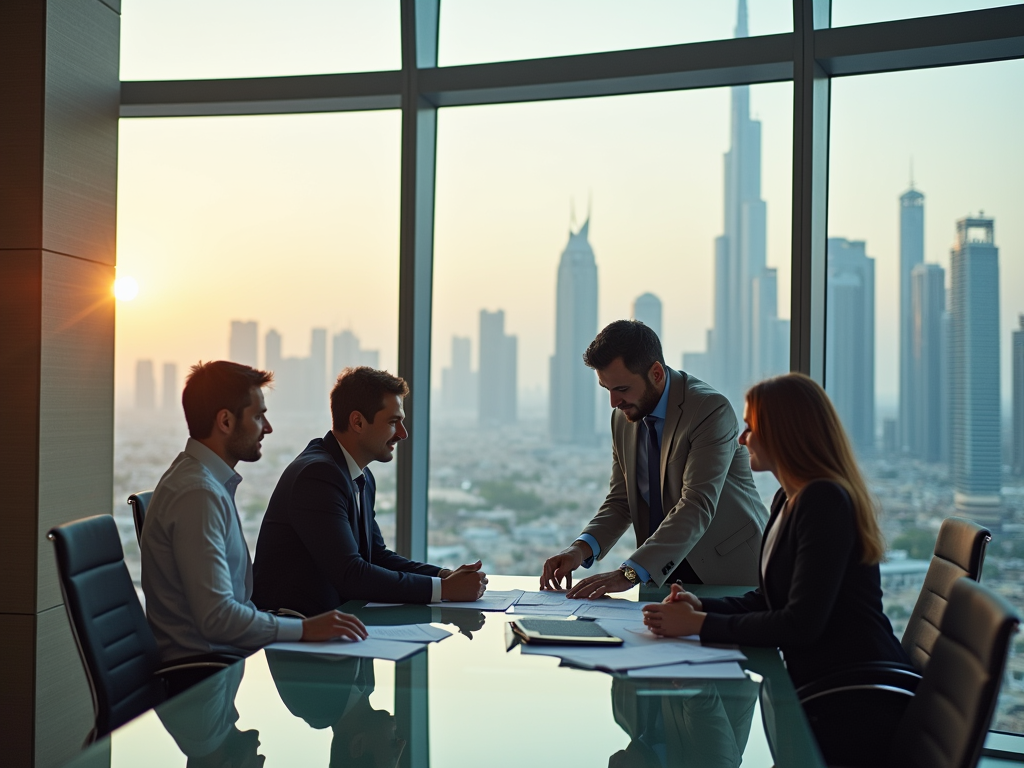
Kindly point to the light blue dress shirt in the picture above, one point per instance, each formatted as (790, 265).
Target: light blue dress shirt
(659, 413)
(196, 569)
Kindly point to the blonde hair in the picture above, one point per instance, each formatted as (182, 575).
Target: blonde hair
(800, 430)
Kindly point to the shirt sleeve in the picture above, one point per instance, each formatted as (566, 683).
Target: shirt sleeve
(595, 549)
(288, 629)
(202, 527)
(435, 593)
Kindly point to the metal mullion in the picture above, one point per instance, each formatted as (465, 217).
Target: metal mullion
(419, 139)
(811, 96)
(954, 39)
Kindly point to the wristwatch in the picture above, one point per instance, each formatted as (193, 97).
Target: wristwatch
(630, 574)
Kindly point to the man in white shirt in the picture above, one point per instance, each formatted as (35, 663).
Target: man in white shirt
(196, 569)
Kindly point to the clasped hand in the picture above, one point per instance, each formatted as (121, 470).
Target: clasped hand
(465, 584)
(677, 616)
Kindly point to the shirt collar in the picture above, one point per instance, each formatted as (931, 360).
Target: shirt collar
(219, 468)
(661, 409)
(353, 468)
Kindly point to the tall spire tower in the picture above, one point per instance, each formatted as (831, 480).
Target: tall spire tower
(744, 329)
(911, 254)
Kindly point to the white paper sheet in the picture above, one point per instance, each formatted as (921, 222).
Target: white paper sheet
(408, 633)
(623, 610)
(371, 648)
(719, 670)
(491, 601)
(565, 609)
(654, 654)
(545, 598)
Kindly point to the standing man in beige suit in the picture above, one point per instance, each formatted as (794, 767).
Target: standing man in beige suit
(675, 435)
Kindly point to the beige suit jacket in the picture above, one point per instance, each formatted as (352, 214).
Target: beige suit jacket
(713, 514)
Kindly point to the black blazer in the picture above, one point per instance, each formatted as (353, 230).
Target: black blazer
(817, 601)
(312, 555)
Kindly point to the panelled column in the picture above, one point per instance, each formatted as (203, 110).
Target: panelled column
(59, 102)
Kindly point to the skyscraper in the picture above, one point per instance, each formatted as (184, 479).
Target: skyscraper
(145, 386)
(911, 254)
(850, 338)
(735, 358)
(498, 370)
(171, 396)
(272, 350)
(347, 352)
(974, 371)
(647, 309)
(317, 374)
(458, 381)
(573, 400)
(929, 363)
(1018, 400)
(244, 343)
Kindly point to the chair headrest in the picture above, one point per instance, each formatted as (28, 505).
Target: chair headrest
(957, 535)
(87, 543)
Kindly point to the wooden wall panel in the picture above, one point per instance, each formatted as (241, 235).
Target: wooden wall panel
(83, 93)
(20, 319)
(76, 403)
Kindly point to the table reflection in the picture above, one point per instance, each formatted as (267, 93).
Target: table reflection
(331, 692)
(203, 724)
(690, 723)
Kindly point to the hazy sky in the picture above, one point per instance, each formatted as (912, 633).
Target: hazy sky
(293, 220)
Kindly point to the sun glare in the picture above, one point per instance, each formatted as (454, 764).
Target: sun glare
(125, 288)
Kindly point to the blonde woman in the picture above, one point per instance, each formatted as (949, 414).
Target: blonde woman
(820, 600)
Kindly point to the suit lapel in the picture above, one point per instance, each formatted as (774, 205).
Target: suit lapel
(361, 532)
(673, 416)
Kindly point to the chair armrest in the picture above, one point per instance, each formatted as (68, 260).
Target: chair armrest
(181, 674)
(861, 676)
(288, 612)
(855, 722)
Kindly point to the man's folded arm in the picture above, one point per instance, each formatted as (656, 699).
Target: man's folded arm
(712, 447)
(199, 541)
(320, 513)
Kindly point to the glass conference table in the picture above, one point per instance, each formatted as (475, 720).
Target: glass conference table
(465, 701)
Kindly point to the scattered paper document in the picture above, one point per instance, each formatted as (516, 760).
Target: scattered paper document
(371, 648)
(565, 610)
(611, 609)
(407, 633)
(720, 670)
(491, 601)
(545, 598)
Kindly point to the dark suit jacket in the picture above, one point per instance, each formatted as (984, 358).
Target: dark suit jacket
(313, 555)
(817, 602)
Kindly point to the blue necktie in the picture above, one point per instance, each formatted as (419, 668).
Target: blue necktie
(364, 532)
(653, 475)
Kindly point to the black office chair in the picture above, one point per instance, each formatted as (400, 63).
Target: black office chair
(139, 502)
(959, 552)
(946, 722)
(110, 629)
(880, 692)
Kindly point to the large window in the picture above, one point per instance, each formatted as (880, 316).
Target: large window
(927, 251)
(272, 241)
(553, 219)
(191, 39)
(476, 31)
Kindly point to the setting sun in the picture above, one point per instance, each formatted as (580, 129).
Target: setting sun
(125, 288)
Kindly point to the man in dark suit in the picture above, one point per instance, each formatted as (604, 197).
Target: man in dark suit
(319, 544)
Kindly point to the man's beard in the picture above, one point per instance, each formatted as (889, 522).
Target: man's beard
(647, 403)
(243, 448)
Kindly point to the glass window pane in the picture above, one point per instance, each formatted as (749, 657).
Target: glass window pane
(632, 189)
(926, 248)
(476, 31)
(192, 39)
(269, 240)
(846, 13)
